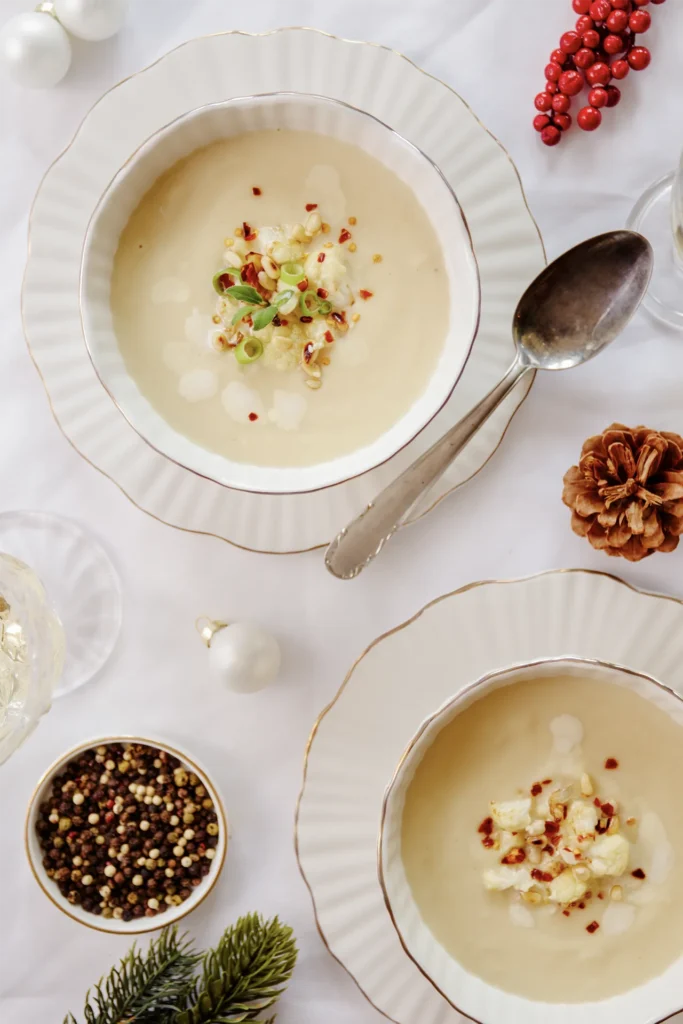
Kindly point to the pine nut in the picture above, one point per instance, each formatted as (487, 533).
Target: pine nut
(266, 282)
(313, 224)
(616, 893)
(298, 233)
(271, 268)
(586, 785)
(613, 825)
(289, 306)
(314, 385)
(232, 259)
(532, 897)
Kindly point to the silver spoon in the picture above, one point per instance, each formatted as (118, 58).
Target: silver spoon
(574, 308)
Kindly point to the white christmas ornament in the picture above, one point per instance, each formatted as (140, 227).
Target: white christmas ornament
(35, 50)
(243, 656)
(91, 19)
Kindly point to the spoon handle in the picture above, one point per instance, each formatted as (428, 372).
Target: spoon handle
(364, 537)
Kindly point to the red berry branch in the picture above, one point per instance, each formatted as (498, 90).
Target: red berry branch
(600, 49)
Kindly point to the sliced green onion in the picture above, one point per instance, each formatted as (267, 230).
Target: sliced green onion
(221, 283)
(325, 307)
(249, 350)
(318, 304)
(292, 273)
(280, 298)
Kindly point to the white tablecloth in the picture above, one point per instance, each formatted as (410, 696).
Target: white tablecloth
(509, 521)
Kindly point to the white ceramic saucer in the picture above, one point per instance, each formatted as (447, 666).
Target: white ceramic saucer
(399, 681)
(507, 245)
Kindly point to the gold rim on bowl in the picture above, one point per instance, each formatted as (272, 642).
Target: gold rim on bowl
(238, 32)
(383, 636)
(286, 93)
(160, 921)
(425, 726)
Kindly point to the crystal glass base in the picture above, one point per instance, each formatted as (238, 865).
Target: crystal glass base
(81, 584)
(651, 216)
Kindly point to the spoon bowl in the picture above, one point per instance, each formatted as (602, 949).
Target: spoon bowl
(582, 301)
(569, 313)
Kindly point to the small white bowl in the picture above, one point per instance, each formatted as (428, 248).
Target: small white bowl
(223, 120)
(656, 1000)
(99, 923)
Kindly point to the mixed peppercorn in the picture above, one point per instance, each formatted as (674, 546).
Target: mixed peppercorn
(127, 831)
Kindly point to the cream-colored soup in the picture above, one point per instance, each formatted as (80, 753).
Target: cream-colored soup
(162, 298)
(498, 749)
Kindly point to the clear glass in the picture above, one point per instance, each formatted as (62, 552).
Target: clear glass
(32, 650)
(81, 584)
(658, 215)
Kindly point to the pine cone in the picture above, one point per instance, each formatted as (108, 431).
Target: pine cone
(626, 494)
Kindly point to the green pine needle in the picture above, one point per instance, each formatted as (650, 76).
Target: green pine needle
(144, 988)
(245, 974)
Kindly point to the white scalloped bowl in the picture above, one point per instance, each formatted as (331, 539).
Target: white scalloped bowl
(656, 1000)
(252, 113)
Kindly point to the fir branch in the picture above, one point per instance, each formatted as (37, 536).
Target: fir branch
(144, 988)
(243, 975)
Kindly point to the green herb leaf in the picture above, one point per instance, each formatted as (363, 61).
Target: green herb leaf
(242, 312)
(264, 317)
(245, 293)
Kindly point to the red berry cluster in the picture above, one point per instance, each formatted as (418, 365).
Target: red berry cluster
(602, 47)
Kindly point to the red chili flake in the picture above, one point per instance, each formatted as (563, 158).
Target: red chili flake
(283, 322)
(306, 319)
(582, 906)
(365, 294)
(603, 827)
(566, 913)
(601, 895)
(611, 763)
(308, 351)
(515, 856)
(277, 322)
(256, 190)
(250, 275)
(555, 840)
(321, 293)
(248, 320)
(486, 827)
(551, 828)
(608, 809)
(638, 873)
(321, 257)
(536, 789)
(311, 206)
(344, 235)
(253, 417)
(339, 318)
(329, 337)
(597, 802)
(303, 285)
(249, 233)
(487, 842)
(226, 281)
(546, 782)
(548, 848)
(592, 927)
(541, 876)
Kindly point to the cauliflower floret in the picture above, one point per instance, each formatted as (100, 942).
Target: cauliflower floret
(331, 274)
(282, 352)
(511, 815)
(567, 888)
(503, 877)
(609, 855)
(582, 817)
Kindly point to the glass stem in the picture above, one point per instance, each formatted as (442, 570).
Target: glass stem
(677, 214)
